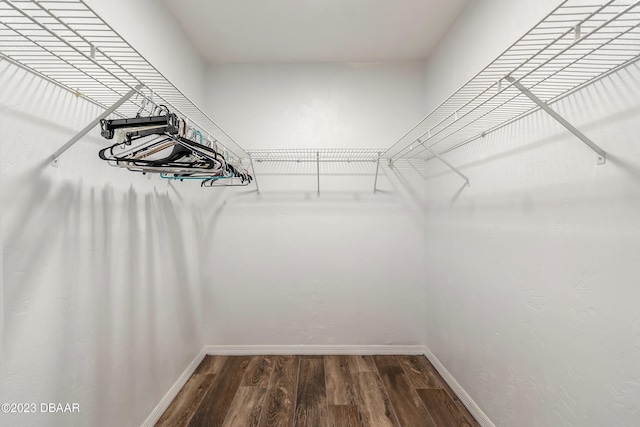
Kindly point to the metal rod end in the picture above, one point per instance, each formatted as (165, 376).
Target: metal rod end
(55, 161)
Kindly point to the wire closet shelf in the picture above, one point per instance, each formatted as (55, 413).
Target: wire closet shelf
(336, 156)
(575, 45)
(68, 44)
(347, 155)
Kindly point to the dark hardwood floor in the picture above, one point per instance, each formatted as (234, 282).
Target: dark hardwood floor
(316, 391)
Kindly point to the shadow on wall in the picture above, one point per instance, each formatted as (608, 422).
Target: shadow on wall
(100, 294)
(548, 241)
(411, 176)
(49, 105)
(537, 155)
(206, 216)
(527, 125)
(630, 169)
(610, 99)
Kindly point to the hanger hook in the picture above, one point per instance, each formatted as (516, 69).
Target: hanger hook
(144, 102)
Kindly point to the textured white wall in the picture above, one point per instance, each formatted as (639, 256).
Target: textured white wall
(102, 291)
(2, 395)
(316, 105)
(288, 267)
(532, 272)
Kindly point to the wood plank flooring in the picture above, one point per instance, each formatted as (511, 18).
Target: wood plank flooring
(316, 391)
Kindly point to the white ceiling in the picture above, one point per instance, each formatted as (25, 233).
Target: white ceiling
(315, 30)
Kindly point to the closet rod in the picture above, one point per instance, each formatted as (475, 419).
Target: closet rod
(93, 124)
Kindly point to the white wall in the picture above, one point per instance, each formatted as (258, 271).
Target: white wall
(316, 105)
(289, 267)
(102, 290)
(112, 283)
(102, 294)
(532, 272)
(2, 395)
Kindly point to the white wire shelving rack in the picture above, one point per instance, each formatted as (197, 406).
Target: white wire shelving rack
(318, 156)
(575, 45)
(581, 41)
(347, 155)
(68, 44)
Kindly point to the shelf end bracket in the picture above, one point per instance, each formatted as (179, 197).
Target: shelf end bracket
(375, 182)
(453, 168)
(94, 123)
(318, 170)
(602, 155)
(255, 178)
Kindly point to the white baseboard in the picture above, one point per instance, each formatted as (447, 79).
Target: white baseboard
(164, 403)
(470, 404)
(243, 350)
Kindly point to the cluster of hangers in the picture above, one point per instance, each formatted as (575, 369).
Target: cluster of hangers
(159, 141)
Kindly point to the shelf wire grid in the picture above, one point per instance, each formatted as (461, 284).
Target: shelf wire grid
(326, 155)
(67, 43)
(575, 45)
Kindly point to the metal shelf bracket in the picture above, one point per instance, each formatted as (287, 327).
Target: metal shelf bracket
(94, 123)
(68, 44)
(575, 45)
(318, 170)
(255, 178)
(453, 168)
(375, 183)
(602, 155)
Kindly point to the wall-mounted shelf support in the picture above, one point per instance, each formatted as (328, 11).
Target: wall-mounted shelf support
(453, 168)
(342, 159)
(576, 44)
(602, 156)
(68, 44)
(318, 170)
(253, 172)
(375, 183)
(93, 124)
